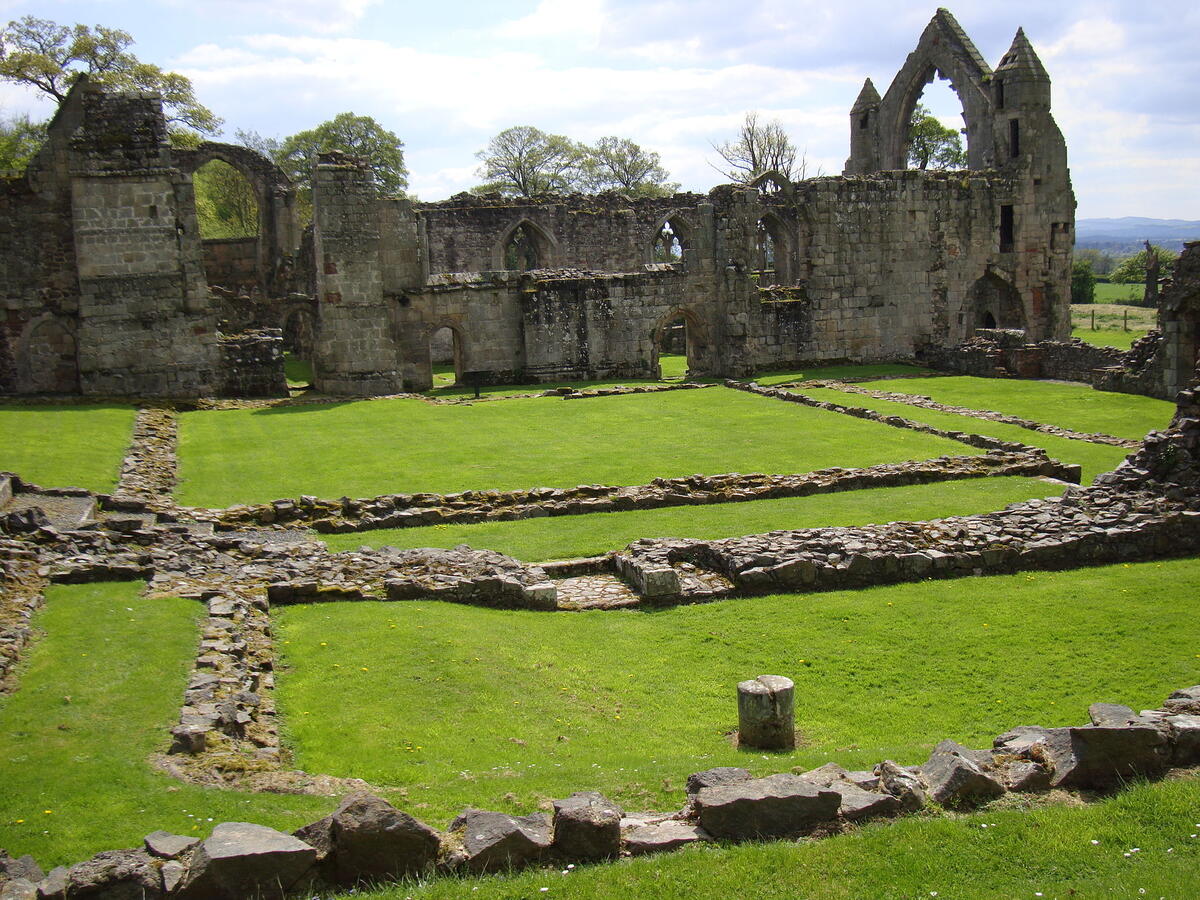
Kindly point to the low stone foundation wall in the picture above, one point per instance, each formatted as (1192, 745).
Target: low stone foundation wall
(252, 364)
(412, 510)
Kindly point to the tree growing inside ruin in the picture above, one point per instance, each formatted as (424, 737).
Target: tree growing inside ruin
(524, 161)
(359, 136)
(51, 57)
(760, 147)
(931, 145)
(618, 164)
(20, 138)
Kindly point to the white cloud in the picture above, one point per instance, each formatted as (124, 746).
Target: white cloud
(579, 21)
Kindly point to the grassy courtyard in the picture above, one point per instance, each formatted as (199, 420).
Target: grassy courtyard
(65, 446)
(453, 705)
(383, 446)
(1068, 405)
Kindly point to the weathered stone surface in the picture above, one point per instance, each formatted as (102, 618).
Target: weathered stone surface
(18, 889)
(1185, 739)
(112, 875)
(587, 827)
(775, 806)
(165, 845)
(858, 805)
(241, 858)
(901, 784)
(494, 841)
(1093, 756)
(20, 867)
(367, 839)
(663, 836)
(765, 716)
(955, 779)
(697, 781)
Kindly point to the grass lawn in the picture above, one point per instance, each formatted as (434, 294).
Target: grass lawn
(1075, 406)
(452, 705)
(297, 371)
(1095, 458)
(561, 537)
(65, 446)
(1054, 851)
(840, 373)
(99, 693)
(375, 447)
(1122, 340)
(673, 369)
(1125, 294)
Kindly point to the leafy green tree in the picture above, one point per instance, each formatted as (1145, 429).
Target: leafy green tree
(524, 161)
(931, 145)
(614, 163)
(1083, 282)
(358, 136)
(20, 139)
(225, 202)
(760, 147)
(1102, 261)
(1132, 269)
(50, 57)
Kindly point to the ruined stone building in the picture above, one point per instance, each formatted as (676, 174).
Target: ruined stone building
(108, 288)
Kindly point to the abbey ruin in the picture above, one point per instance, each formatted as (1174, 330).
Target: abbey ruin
(109, 290)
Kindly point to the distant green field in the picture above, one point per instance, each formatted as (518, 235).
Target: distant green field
(838, 373)
(1119, 293)
(1122, 340)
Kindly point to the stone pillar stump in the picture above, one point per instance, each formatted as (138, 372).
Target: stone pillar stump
(765, 717)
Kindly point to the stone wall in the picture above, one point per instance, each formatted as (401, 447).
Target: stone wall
(232, 263)
(252, 364)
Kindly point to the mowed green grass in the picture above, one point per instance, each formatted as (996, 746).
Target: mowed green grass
(840, 373)
(1054, 852)
(1122, 340)
(65, 446)
(1075, 406)
(561, 537)
(97, 695)
(452, 706)
(1094, 458)
(1109, 293)
(383, 446)
(673, 368)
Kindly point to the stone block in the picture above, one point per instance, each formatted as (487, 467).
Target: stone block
(587, 827)
(775, 806)
(663, 836)
(956, 779)
(241, 859)
(494, 841)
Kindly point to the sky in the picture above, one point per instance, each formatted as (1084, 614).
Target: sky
(676, 76)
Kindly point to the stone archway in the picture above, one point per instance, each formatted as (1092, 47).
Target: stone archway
(524, 245)
(278, 224)
(49, 357)
(671, 238)
(993, 302)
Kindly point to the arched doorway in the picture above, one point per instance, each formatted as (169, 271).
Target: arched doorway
(680, 346)
(445, 356)
(299, 346)
(228, 215)
(994, 303)
(50, 363)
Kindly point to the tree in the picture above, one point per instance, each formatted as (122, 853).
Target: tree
(1102, 261)
(619, 164)
(225, 203)
(1132, 269)
(1083, 282)
(931, 145)
(358, 136)
(20, 139)
(760, 147)
(524, 161)
(50, 57)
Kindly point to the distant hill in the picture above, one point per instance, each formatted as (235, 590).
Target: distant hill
(1121, 236)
